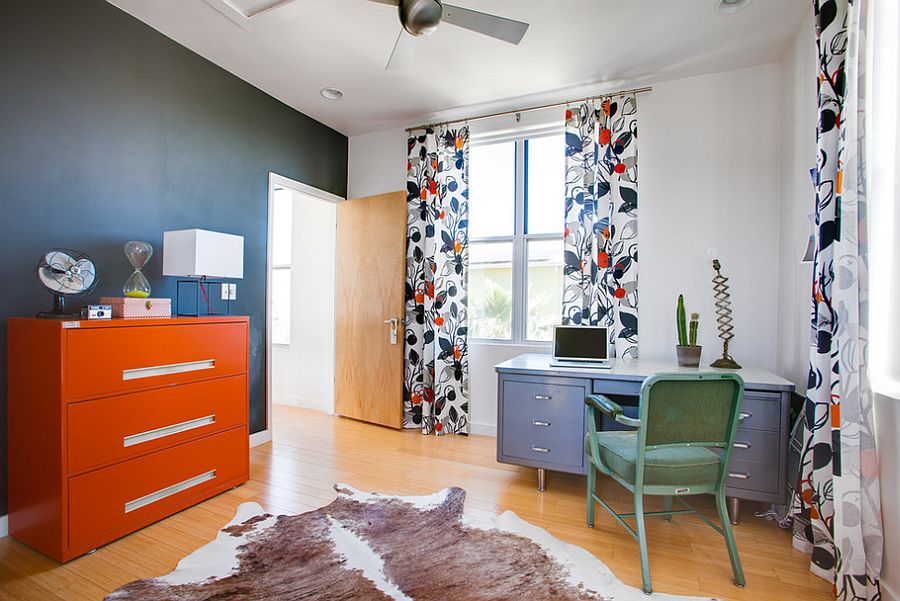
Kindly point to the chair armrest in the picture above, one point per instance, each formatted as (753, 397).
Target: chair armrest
(610, 408)
(603, 404)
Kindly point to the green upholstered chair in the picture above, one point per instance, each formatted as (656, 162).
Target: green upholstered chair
(683, 417)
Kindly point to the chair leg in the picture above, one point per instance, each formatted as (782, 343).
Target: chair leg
(642, 540)
(667, 506)
(729, 540)
(591, 484)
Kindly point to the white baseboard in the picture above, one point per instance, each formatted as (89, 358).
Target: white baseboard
(4, 525)
(307, 403)
(483, 429)
(260, 438)
(888, 593)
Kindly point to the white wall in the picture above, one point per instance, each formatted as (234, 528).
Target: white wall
(377, 163)
(710, 177)
(303, 372)
(709, 174)
(798, 151)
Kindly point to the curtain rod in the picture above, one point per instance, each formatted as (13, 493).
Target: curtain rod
(532, 108)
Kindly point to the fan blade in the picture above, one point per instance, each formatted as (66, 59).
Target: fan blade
(391, 2)
(501, 28)
(401, 57)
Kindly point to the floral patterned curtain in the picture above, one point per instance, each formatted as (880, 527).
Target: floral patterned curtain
(837, 507)
(436, 362)
(601, 252)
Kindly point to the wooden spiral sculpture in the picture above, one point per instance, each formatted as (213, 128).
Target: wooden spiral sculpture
(723, 317)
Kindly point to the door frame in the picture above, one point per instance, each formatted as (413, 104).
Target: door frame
(279, 181)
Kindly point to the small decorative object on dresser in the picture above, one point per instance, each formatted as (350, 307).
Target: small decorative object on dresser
(723, 316)
(687, 351)
(65, 273)
(114, 425)
(138, 253)
(139, 308)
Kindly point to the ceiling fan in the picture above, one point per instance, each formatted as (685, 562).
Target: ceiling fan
(422, 17)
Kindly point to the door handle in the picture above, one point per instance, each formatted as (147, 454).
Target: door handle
(394, 323)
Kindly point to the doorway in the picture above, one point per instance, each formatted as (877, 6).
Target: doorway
(300, 292)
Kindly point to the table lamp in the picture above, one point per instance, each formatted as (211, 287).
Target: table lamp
(203, 258)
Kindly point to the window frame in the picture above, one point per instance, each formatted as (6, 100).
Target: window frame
(274, 267)
(288, 268)
(520, 236)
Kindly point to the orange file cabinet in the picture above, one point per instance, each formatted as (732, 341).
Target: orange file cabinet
(114, 425)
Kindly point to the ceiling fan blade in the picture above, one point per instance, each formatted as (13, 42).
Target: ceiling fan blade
(501, 28)
(404, 49)
(391, 2)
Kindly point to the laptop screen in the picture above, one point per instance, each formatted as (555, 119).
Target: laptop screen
(580, 343)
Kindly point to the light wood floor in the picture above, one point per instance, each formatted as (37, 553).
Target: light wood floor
(312, 451)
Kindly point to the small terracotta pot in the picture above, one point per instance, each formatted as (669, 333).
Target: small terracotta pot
(688, 356)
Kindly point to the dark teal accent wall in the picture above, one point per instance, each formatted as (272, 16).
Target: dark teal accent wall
(109, 132)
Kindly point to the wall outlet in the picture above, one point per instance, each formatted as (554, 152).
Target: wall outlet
(229, 292)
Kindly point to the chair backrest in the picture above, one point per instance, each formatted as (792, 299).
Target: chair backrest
(694, 409)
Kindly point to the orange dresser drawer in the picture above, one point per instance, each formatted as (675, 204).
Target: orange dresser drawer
(101, 361)
(110, 429)
(109, 502)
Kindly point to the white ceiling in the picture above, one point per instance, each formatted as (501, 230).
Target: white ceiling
(573, 47)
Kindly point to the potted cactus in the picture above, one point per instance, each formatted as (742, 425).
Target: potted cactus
(687, 351)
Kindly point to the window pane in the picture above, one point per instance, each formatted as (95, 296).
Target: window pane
(546, 185)
(490, 289)
(545, 284)
(492, 190)
(281, 305)
(282, 225)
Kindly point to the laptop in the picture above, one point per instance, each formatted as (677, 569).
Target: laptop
(581, 346)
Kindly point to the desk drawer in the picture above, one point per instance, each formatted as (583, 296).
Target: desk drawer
(750, 475)
(620, 387)
(102, 361)
(543, 422)
(761, 411)
(756, 445)
(103, 431)
(109, 502)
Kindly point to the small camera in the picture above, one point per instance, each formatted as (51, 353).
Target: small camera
(96, 312)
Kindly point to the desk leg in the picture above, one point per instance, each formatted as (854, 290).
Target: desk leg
(542, 479)
(734, 510)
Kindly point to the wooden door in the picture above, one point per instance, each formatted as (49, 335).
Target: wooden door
(369, 285)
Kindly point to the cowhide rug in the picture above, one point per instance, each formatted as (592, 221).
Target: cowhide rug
(378, 547)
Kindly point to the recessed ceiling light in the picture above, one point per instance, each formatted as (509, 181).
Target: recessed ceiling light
(331, 93)
(729, 7)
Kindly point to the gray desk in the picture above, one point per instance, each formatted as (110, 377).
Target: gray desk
(541, 420)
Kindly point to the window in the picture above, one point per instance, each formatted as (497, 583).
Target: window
(282, 229)
(516, 224)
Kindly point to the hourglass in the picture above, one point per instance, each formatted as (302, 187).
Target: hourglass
(138, 253)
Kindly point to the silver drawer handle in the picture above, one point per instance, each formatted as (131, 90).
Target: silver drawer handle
(538, 422)
(169, 491)
(742, 445)
(165, 370)
(744, 415)
(543, 397)
(739, 475)
(540, 449)
(149, 435)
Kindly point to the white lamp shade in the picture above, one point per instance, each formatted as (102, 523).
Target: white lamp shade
(196, 253)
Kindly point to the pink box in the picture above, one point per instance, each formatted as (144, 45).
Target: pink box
(139, 308)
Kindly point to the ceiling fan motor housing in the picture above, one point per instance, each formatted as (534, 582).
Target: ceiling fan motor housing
(420, 17)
